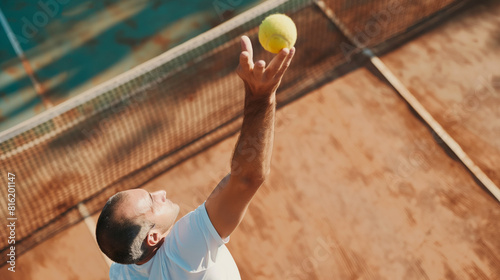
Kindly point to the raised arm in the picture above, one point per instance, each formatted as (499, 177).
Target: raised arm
(251, 160)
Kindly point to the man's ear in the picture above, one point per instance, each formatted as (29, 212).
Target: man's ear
(153, 238)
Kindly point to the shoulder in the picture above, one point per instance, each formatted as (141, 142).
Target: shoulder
(197, 222)
(193, 242)
(191, 219)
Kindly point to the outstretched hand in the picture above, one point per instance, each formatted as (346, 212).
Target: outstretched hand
(259, 79)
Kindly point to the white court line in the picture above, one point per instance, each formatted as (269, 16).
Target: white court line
(19, 51)
(90, 223)
(10, 35)
(436, 127)
(416, 105)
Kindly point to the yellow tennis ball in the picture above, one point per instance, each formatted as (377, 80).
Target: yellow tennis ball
(277, 32)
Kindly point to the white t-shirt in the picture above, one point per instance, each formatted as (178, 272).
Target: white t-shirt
(193, 250)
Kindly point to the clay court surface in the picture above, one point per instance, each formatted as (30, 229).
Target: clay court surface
(359, 187)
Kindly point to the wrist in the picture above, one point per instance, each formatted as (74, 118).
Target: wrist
(260, 97)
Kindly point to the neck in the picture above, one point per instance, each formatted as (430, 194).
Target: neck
(151, 254)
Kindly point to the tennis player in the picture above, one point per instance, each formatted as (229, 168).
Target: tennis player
(137, 229)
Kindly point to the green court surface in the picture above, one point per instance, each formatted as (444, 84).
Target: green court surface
(75, 45)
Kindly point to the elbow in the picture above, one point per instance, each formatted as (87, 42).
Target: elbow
(255, 179)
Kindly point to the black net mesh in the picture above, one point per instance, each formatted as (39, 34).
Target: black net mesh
(120, 135)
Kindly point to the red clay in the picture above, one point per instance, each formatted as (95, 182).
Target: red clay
(359, 189)
(453, 71)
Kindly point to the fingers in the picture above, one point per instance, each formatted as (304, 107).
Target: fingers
(285, 64)
(259, 68)
(257, 73)
(246, 46)
(246, 63)
(276, 63)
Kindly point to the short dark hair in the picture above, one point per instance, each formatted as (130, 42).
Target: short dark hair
(123, 240)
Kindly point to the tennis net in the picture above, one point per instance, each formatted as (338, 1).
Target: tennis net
(121, 134)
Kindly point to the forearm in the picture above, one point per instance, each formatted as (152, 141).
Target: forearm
(251, 160)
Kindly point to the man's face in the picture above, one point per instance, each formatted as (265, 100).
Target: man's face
(154, 207)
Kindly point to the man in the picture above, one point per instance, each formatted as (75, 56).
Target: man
(136, 228)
